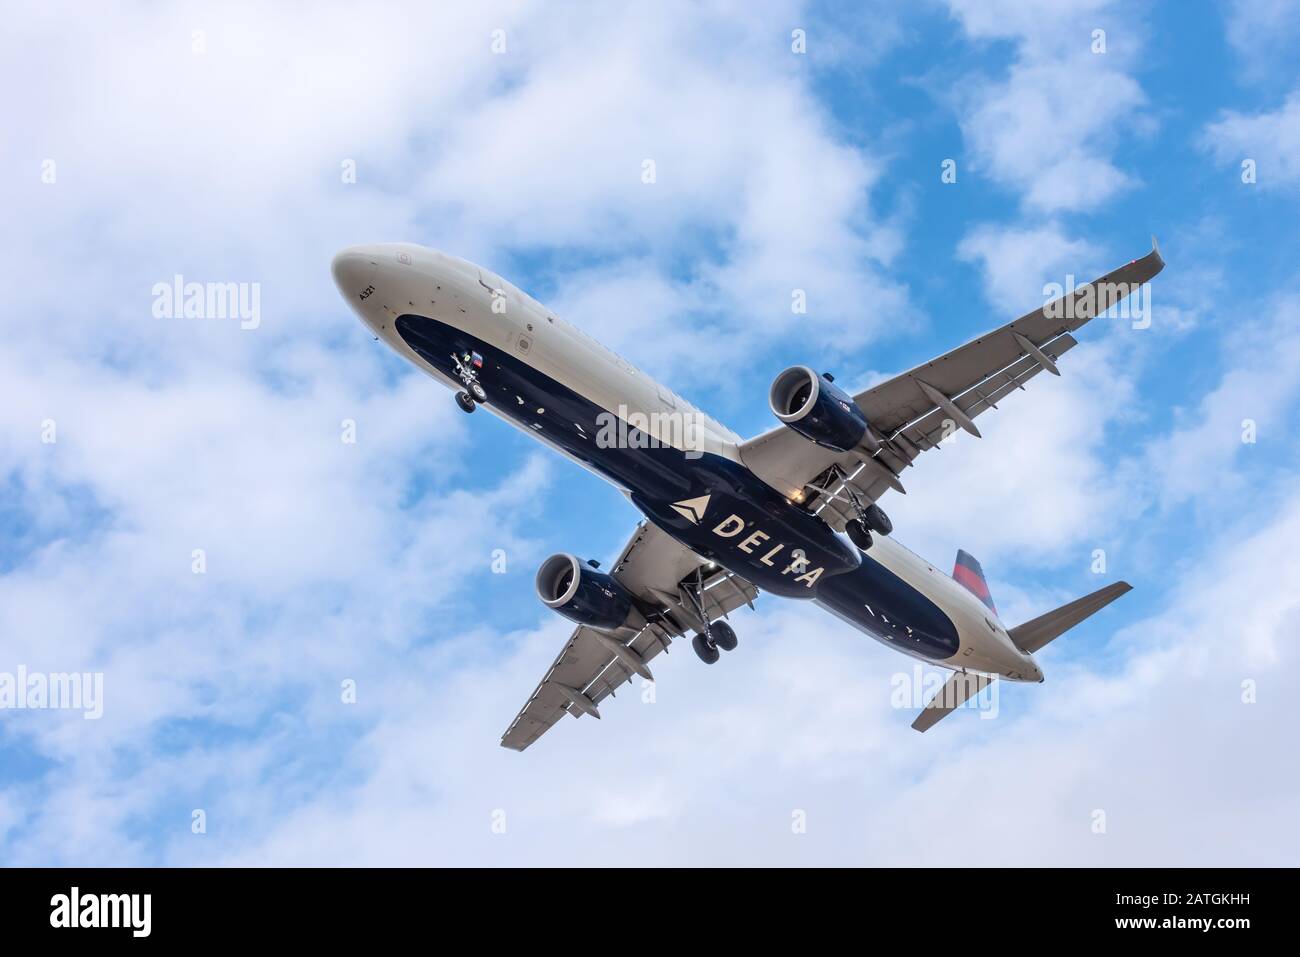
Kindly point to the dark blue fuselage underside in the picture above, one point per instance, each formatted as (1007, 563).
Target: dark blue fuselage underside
(748, 527)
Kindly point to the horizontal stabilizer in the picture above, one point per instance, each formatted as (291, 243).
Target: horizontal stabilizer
(959, 688)
(1034, 634)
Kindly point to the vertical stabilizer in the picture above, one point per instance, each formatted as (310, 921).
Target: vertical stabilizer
(967, 573)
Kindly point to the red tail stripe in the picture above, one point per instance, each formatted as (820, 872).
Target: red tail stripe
(973, 583)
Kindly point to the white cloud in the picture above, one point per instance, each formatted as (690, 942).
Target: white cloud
(1271, 139)
(1033, 24)
(1018, 262)
(1033, 131)
(1201, 455)
(1263, 34)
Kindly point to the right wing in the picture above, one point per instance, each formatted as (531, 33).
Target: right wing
(664, 574)
(913, 412)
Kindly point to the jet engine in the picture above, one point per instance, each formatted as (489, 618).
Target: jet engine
(819, 410)
(581, 593)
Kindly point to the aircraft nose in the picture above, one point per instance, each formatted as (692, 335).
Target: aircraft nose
(353, 269)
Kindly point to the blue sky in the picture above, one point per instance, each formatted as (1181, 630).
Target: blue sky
(211, 141)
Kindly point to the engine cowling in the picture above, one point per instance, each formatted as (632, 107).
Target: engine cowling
(818, 409)
(581, 593)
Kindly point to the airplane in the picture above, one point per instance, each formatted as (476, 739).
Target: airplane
(793, 511)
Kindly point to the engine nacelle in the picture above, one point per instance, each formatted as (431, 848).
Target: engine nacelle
(582, 594)
(819, 410)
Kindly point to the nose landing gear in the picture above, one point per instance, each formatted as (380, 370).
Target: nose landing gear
(467, 369)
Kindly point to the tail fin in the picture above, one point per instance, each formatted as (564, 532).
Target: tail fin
(1036, 633)
(967, 573)
(1029, 637)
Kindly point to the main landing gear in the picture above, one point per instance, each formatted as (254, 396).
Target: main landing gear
(465, 369)
(719, 635)
(871, 518)
(724, 636)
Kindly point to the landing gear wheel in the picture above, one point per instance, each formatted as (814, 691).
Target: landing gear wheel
(480, 394)
(876, 520)
(858, 534)
(707, 652)
(723, 636)
(465, 402)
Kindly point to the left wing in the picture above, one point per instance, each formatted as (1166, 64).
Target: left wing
(666, 576)
(915, 411)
